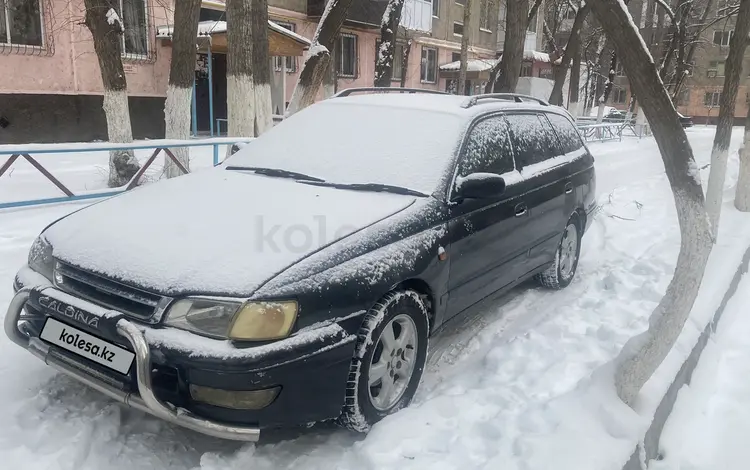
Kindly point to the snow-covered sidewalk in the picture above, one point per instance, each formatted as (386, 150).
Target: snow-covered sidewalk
(500, 390)
(710, 423)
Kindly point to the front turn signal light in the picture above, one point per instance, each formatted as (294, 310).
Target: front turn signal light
(263, 321)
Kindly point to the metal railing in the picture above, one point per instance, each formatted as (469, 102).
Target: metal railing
(28, 151)
(601, 132)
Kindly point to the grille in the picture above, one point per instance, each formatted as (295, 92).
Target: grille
(107, 293)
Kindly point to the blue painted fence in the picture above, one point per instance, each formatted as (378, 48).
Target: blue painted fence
(27, 152)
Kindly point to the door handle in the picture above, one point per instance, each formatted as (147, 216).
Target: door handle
(568, 188)
(520, 210)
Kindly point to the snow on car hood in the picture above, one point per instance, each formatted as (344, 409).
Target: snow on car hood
(216, 232)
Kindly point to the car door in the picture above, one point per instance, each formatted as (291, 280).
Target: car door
(580, 163)
(545, 182)
(486, 245)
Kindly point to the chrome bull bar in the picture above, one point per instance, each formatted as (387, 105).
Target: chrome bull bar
(17, 329)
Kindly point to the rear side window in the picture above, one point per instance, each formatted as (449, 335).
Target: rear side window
(487, 149)
(533, 139)
(567, 134)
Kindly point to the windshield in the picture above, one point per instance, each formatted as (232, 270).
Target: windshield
(354, 144)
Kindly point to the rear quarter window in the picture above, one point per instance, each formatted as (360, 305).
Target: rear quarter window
(570, 139)
(533, 139)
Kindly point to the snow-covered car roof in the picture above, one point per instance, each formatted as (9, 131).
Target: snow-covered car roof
(435, 102)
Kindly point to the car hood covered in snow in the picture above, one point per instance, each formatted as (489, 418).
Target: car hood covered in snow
(216, 232)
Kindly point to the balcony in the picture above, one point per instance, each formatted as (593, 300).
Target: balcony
(417, 15)
(368, 13)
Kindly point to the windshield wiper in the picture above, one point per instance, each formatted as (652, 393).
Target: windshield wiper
(377, 187)
(276, 173)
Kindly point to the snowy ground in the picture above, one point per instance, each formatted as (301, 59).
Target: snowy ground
(711, 419)
(485, 400)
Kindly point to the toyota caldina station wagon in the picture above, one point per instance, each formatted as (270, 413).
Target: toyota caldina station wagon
(299, 281)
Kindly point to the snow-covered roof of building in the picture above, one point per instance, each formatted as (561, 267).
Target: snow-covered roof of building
(207, 28)
(483, 65)
(472, 65)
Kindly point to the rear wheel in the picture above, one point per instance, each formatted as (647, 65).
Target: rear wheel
(388, 362)
(563, 269)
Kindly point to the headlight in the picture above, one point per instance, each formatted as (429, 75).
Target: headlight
(40, 257)
(251, 321)
(257, 321)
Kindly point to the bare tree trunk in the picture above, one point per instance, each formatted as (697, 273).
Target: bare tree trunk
(405, 63)
(177, 111)
(461, 88)
(261, 67)
(106, 29)
(642, 354)
(602, 100)
(571, 51)
(720, 151)
(742, 195)
(598, 84)
(552, 49)
(330, 76)
(504, 76)
(388, 32)
(573, 87)
(694, 42)
(317, 58)
(240, 81)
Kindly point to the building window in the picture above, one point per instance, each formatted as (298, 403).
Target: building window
(715, 69)
(526, 69)
(722, 38)
(455, 56)
(620, 96)
(135, 25)
(347, 55)
(21, 22)
(428, 69)
(712, 99)
(619, 70)
(291, 62)
(458, 29)
(436, 8)
(683, 98)
(723, 7)
(398, 60)
(546, 73)
(485, 14)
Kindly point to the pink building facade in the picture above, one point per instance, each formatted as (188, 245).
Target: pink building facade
(52, 86)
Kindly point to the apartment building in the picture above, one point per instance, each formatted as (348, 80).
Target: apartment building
(702, 88)
(53, 92)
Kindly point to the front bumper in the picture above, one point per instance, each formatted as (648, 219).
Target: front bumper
(312, 384)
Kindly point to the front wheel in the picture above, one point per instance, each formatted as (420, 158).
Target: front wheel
(388, 361)
(563, 269)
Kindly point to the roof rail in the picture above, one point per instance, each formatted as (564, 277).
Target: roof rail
(472, 101)
(349, 91)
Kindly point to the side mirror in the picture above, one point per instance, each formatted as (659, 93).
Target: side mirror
(480, 186)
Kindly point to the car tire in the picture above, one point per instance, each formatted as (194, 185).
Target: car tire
(391, 341)
(562, 271)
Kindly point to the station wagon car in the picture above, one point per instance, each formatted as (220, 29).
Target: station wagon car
(299, 280)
